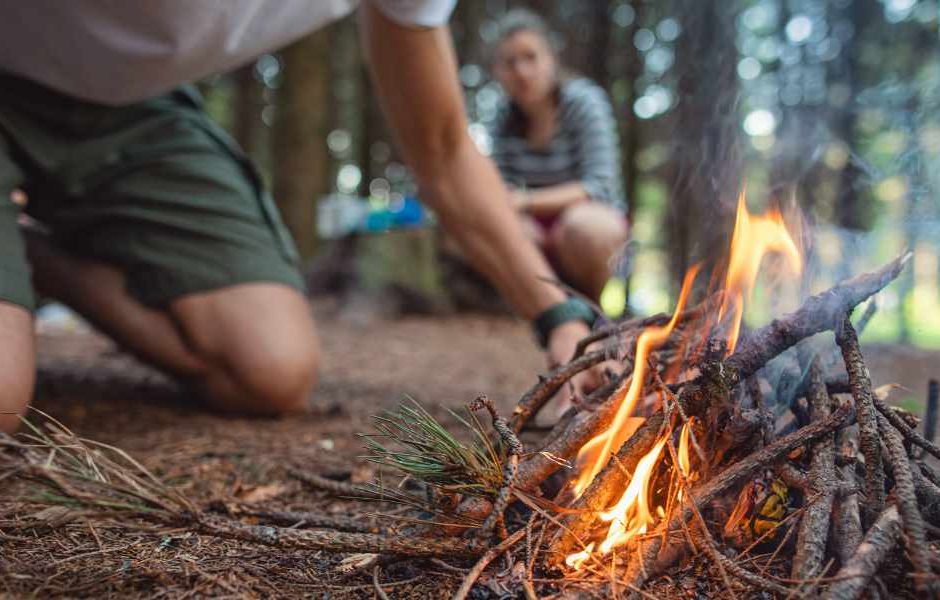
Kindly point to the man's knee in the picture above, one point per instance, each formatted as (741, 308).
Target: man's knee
(17, 366)
(258, 344)
(281, 382)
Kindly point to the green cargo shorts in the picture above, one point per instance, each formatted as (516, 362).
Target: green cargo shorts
(154, 188)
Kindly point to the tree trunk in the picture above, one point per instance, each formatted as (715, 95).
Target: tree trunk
(301, 160)
(707, 156)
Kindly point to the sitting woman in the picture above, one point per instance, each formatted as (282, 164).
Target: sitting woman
(555, 142)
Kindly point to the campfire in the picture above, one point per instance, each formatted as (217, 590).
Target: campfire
(694, 456)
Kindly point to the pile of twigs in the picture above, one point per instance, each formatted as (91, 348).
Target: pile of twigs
(856, 486)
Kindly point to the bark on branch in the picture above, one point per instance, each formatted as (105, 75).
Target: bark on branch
(854, 577)
(338, 541)
(814, 526)
(821, 312)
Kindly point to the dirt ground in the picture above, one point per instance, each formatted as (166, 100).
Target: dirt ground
(368, 366)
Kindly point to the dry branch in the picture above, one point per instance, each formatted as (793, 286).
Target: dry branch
(906, 430)
(814, 526)
(337, 488)
(869, 444)
(585, 425)
(485, 560)
(818, 313)
(510, 469)
(853, 578)
(305, 519)
(906, 499)
(536, 397)
(847, 522)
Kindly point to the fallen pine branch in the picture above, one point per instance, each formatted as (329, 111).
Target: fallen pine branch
(337, 541)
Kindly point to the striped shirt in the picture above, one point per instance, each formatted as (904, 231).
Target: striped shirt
(584, 147)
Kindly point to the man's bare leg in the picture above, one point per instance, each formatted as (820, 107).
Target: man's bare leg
(17, 365)
(250, 347)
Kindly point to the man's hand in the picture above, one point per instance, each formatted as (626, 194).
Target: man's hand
(561, 346)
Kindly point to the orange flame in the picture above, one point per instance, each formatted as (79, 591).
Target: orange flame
(753, 237)
(577, 559)
(631, 515)
(685, 464)
(594, 454)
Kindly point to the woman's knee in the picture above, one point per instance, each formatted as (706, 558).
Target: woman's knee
(590, 228)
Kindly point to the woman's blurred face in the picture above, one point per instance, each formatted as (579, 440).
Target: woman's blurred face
(525, 67)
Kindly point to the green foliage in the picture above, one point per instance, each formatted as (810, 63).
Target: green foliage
(411, 441)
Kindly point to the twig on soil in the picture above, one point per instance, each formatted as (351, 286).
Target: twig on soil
(485, 560)
(854, 576)
(375, 582)
(869, 443)
(306, 519)
(337, 541)
(337, 488)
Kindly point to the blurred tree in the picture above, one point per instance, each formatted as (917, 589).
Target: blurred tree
(706, 149)
(301, 162)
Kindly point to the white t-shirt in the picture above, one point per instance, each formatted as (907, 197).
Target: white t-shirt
(121, 51)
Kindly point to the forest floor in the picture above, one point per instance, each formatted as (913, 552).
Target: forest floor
(369, 365)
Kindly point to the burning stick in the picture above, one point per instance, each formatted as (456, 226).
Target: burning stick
(817, 314)
(814, 526)
(860, 382)
(727, 479)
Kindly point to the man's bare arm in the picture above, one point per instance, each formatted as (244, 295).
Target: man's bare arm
(416, 76)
